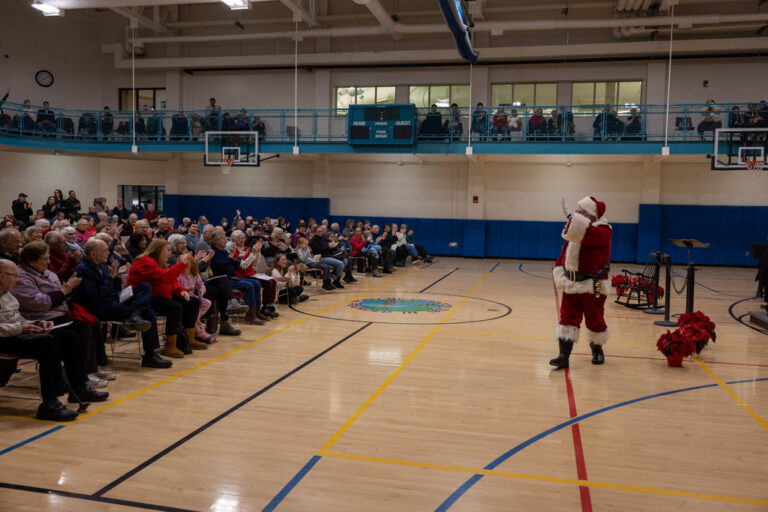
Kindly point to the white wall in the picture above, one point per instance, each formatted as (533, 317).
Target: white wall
(509, 187)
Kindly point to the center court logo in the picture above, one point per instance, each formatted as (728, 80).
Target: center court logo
(395, 305)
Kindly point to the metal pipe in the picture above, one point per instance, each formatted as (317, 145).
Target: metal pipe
(482, 26)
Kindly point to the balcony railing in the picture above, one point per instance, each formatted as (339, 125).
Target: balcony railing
(498, 125)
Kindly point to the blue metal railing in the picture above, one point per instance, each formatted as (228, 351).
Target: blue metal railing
(499, 124)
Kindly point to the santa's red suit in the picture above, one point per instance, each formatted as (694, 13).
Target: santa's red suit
(583, 263)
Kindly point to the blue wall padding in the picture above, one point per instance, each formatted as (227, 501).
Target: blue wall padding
(648, 231)
(474, 238)
(731, 230)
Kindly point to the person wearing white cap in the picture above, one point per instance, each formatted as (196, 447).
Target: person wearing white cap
(581, 274)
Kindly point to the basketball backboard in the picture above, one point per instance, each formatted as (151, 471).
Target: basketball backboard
(242, 147)
(739, 148)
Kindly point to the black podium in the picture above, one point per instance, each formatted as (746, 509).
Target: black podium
(690, 279)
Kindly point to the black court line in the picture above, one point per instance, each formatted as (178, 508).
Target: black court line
(740, 319)
(220, 417)
(433, 284)
(88, 497)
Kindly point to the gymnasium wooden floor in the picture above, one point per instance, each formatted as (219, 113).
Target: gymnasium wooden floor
(339, 407)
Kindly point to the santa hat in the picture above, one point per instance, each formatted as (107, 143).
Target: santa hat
(592, 206)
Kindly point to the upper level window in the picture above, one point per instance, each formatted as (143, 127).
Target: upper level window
(623, 95)
(363, 95)
(424, 96)
(529, 94)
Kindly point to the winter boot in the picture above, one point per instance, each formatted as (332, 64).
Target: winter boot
(561, 361)
(327, 285)
(597, 353)
(226, 329)
(170, 349)
(252, 317)
(196, 345)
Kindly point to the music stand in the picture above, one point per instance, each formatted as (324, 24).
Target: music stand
(690, 277)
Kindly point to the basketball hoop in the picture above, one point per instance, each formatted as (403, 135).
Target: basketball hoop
(226, 165)
(754, 167)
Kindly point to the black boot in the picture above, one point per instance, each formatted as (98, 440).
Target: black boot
(54, 410)
(227, 330)
(327, 285)
(337, 283)
(86, 394)
(561, 361)
(597, 353)
(155, 361)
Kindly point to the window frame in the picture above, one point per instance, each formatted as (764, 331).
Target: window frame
(536, 85)
(620, 109)
(450, 93)
(375, 101)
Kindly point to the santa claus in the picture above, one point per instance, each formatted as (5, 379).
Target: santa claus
(581, 274)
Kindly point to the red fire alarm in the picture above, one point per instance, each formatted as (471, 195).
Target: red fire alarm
(475, 199)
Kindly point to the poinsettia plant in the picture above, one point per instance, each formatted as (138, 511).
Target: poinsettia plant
(675, 344)
(697, 327)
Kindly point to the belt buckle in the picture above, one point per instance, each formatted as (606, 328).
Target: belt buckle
(573, 275)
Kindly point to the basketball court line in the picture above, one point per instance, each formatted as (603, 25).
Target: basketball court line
(223, 415)
(548, 479)
(578, 448)
(33, 438)
(433, 284)
(88, 497)
(206, 363)
(280, 496)
(521, 446)
(736, 397)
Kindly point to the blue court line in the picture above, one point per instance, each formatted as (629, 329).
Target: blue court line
(458, 493)
(290, 485)
(494, 267)
(33, 438)
(520, 268)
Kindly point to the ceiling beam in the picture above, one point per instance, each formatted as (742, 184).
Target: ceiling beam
(640, 50)
(300, 12)
(143, 20)
(382, 16)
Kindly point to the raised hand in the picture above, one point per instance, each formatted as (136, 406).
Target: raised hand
(566, 211)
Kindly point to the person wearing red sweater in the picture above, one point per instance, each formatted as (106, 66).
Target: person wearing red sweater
(360, 250)
(150, 215)
(169, 298)
(581, 274)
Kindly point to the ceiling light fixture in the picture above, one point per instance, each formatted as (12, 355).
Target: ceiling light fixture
(236, 5)
(47, 10)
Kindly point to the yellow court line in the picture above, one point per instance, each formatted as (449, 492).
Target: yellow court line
(394, 374)
(205, 363)
(618, 342)
(549, 479)
(736, 397)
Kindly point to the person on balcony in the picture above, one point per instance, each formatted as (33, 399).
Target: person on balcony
(46, 119)
(107, 122)
(480, 122)
(499, 128)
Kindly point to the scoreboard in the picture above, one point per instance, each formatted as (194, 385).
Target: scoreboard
(381, 124)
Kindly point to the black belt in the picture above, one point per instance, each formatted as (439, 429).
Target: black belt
(577, 276)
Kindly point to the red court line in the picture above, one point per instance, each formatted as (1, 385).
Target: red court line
(664, 359)
(581, 466)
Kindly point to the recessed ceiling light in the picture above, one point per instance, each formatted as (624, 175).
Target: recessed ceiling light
(47, 10)
(236, 5)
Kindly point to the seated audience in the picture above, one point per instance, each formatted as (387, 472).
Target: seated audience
(70, 236)
(99, 293)
(22, 210)
(46, 118)
(120, 210)
(288, 278)
(253, 265)
(10, 243)
(499, 124)
(223, 265)
(32, 233)
(327, 250)
(42, 296)
(63, 260)
(360, 248)
(168, 297)
(191, 281)
(307, 259)
(150, 215)
(26, 339)
(51, 208)
(480, 121)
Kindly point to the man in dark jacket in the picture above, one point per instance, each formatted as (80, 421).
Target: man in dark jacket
(325, 249)
(99, 293)
(22, 209)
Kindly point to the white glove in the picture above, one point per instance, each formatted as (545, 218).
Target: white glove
(566, 211)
